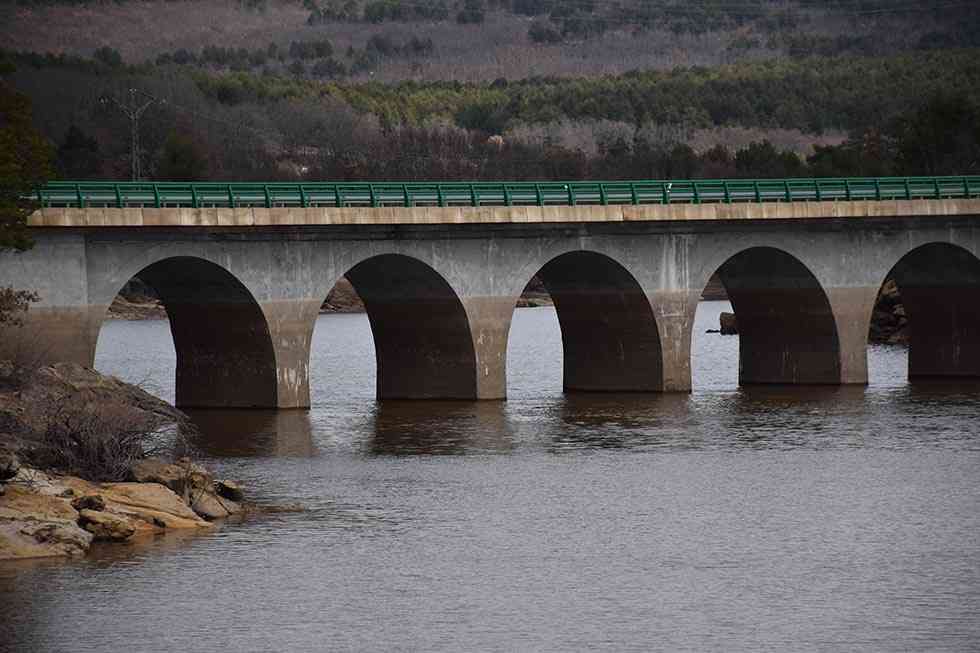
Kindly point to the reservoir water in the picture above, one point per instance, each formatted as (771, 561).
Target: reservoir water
(755, 519)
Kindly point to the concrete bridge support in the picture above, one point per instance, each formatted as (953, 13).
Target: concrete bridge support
(421, 330)
(224, 349)
(940, 288)
(787, 331)
(243, 288)
(609, 334)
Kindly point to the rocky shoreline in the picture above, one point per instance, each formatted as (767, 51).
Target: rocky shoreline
(45, 515)
(68, 480)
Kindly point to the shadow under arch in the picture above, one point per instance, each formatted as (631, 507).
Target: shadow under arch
(939, 285)
(422, 340)
(787, 332)
(225, 357)
(609, 334)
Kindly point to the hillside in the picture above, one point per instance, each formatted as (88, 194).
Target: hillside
(527, 89)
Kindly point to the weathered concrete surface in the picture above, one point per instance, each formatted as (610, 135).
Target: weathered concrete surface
(440, 287)
(318, 216)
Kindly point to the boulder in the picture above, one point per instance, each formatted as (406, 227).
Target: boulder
(229, 490)
(729, 326)
(36, 525)
(23, 503)
(183, 477)
(211, 506)
(40, 539)
(151, 502)
(105, 526)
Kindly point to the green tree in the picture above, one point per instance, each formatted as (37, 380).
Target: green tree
(25, 164)
(941, 138)
(181, 159)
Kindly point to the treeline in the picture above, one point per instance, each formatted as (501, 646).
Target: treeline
(941, 137)
(251, 127)
(811, 95)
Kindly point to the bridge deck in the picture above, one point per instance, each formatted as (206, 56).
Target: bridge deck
(484, 194)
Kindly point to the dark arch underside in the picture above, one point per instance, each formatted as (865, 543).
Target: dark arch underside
(939, 285)
(224, 351)
(609, 334)
(787, 332)
(421, 333)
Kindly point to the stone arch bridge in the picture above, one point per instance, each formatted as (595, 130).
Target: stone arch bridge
(243, 284)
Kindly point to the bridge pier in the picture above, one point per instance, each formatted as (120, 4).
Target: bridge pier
(940, 289)
(787, 331)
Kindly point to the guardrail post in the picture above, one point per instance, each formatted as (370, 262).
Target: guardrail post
(474, 199)
(847, 190)
(194, 202)
(268, 197)
(119, 204)
(758, 195)
(966, 187)
(935, 182)
(603, 200)
(789, 194)
(507, 199)
(537, 194)
(374, 197)
(633, 195)
(908, 189)
(303, 200)
(78, 194)
(231, 197)
(695, 194)
(728, 194)
(440, 198)
(156, 196)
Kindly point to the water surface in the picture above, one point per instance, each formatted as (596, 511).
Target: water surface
(783, 519)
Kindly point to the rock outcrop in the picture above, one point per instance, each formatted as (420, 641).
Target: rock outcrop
(54, 513)
(889, 324)
(45, 515)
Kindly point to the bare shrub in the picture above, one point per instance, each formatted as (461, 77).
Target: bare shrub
(99, 441)
(14, 304)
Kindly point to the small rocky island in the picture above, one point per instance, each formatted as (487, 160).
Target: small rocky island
(86, 457)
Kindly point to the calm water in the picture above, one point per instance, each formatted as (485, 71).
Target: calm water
(734, 520)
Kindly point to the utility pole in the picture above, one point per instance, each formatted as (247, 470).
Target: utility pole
(133, 111)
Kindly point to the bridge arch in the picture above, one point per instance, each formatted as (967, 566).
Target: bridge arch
(225, 354)
(422, 340)
(786, 325)
(939, 285)
(610, 338)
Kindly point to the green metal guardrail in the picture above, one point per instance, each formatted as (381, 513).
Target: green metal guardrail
(340, 194)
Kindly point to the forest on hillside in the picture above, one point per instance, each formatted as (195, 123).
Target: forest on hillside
(791, 92)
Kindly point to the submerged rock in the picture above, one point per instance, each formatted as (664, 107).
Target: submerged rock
(729, 325)
(229, 490)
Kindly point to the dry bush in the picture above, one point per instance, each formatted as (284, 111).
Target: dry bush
(99, 441)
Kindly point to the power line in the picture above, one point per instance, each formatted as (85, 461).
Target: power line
(133, 110)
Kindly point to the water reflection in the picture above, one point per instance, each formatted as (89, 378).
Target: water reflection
(251, 433)
(439, 427)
